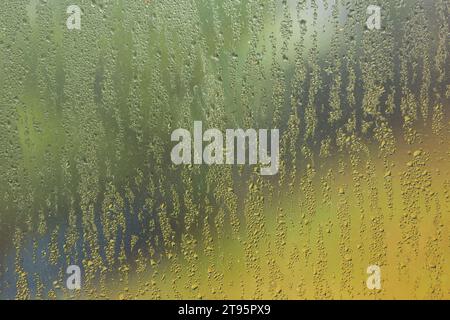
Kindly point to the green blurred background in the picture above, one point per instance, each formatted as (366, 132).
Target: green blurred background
(86, 177)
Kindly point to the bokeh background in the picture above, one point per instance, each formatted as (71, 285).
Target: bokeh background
(86, 177)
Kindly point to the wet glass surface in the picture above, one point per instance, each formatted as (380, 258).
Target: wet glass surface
(86, 177)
